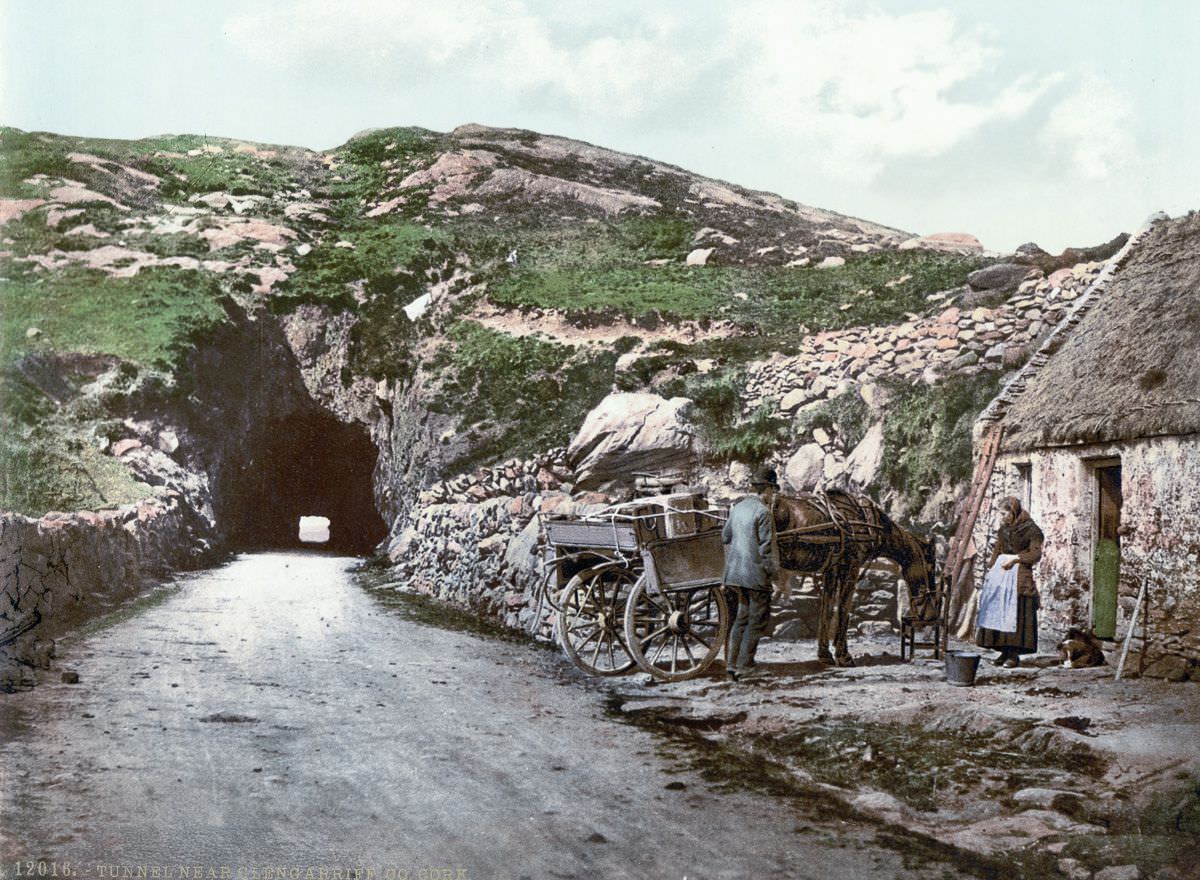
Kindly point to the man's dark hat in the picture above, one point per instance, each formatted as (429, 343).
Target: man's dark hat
(765, 476)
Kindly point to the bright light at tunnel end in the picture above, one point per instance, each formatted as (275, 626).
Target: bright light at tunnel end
(314, 529)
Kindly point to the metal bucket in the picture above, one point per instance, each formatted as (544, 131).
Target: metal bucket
(961, 667)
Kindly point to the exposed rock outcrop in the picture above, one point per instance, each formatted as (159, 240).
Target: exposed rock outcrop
(631, 433)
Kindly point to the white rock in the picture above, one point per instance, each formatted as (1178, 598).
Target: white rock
(794, 399)
(864, 462)
(831, 262)
(1073, 869)
(168, 441)
(804, 469)
(631, 433)
(699, 256)
(881, 804)
(1118, 872)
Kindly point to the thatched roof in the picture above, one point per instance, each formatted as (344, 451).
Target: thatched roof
(1126, 364)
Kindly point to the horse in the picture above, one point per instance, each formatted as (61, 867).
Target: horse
(832, 535)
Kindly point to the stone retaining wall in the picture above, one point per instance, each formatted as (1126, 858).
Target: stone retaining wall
(959, 339)
(474, 540)
(62, 569)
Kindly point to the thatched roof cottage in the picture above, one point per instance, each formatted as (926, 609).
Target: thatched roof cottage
(1101, 438)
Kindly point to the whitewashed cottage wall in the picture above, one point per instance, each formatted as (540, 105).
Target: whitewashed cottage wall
(1160, 543)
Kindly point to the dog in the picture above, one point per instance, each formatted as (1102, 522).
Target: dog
(1081, 648)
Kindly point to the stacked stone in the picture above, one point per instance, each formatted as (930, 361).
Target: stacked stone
(960, 339)
(796, 617)
(548, 473)
(874, 612)
(485, 556)
(65, 568)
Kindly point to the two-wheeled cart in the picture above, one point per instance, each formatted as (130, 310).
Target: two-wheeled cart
(639, 585)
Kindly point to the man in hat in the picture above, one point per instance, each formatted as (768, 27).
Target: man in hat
(751, 559)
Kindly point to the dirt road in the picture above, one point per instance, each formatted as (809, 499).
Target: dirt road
(271, 715)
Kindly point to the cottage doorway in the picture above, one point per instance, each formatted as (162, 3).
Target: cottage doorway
(1106, 567)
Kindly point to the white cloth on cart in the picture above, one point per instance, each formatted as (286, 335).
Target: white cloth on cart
(998, 597)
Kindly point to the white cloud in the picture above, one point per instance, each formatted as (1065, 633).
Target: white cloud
(493, 44)
(1089, 130)
(857, 91)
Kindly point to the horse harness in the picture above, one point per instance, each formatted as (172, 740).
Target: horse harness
(847, 531)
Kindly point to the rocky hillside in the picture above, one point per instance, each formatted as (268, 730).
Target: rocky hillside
(418, 319)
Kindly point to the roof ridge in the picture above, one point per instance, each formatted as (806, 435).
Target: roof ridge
(998, 408)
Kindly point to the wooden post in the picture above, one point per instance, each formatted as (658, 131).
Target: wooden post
(1129, 633)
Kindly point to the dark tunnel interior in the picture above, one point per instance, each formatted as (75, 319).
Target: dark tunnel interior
(307, 465)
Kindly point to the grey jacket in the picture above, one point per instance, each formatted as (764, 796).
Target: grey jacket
(751, 556)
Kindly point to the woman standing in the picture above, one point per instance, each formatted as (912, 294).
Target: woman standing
(1020, 537)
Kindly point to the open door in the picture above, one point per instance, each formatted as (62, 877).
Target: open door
(1106, 565)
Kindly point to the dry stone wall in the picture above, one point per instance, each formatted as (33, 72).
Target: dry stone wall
(486, 556)
(474, 540)
(960, 338)
(65, 568)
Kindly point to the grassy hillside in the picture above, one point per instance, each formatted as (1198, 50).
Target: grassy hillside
(121, 253)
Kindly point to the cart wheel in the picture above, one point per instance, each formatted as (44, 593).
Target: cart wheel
(675, 634)
(589, 623)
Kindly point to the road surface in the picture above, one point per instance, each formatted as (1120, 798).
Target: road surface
(271, 719)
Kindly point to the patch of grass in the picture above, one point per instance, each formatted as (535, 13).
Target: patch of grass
(1166, 833)
(24, 154)
(656, 237)
(54, 467)
(846, 415)
(800, 300)
(220, 168)
(927, 431)
(907, 760)
(31, 234)
(142, 319)
(716, 412)
(384, 258)
(519, 395)
(371, 163)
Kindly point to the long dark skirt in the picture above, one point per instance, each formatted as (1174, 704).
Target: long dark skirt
(1024, 639)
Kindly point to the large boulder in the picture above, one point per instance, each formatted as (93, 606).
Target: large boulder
(1000, 276)
(862, 465)
(630, 434)
(804, 470)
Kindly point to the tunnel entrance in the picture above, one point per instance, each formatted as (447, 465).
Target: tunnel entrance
(308, 466)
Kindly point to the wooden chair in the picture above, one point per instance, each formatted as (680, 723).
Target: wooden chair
(915, 633)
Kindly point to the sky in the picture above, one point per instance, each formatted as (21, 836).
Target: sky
(1061, 122)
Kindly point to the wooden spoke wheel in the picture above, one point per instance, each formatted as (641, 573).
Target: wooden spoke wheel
(674, 634)
(589, 623)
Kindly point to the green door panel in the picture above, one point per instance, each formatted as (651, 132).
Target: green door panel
(1106, 572)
